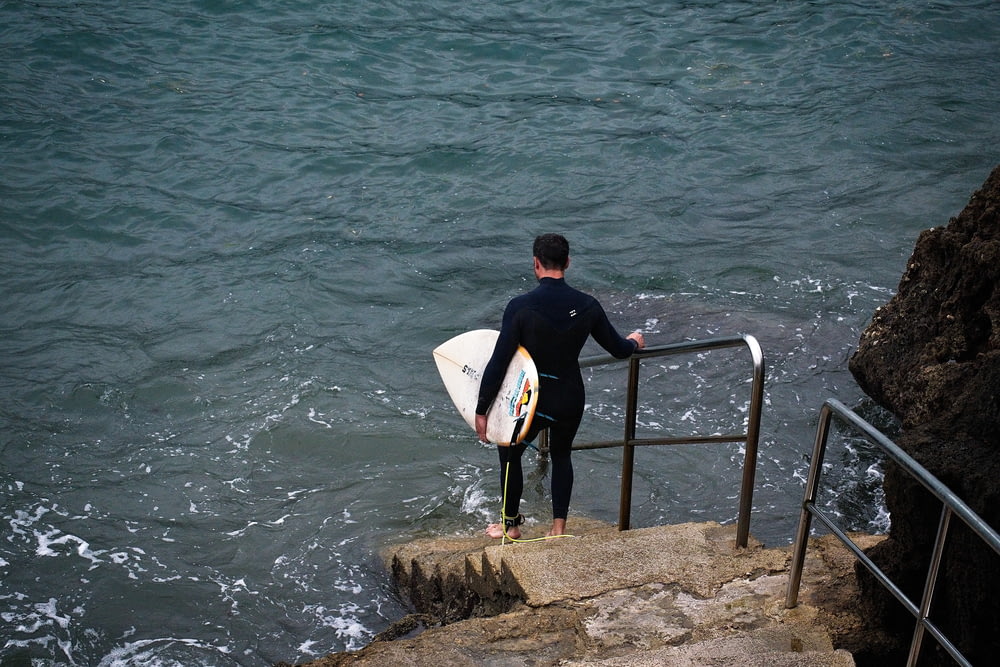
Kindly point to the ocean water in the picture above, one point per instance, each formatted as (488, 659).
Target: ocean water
(231, 233)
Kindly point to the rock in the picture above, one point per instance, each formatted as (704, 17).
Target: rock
(931, 356)
(678, 595)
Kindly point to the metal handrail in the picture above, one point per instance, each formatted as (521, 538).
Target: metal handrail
(952, 506)
(630, 442)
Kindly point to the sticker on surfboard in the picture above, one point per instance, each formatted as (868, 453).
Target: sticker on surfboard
(461, 362)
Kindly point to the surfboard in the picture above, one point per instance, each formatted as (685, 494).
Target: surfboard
(461, 362)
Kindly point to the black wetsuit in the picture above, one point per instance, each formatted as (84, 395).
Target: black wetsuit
(552, 322)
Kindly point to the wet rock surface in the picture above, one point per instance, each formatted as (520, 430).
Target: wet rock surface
(931, 356)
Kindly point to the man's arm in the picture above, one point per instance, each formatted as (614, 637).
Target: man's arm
(608, 337)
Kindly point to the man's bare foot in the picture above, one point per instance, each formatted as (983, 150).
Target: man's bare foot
(495, 530)
(558, 527)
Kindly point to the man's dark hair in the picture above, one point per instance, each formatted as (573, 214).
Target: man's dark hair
(552, 251)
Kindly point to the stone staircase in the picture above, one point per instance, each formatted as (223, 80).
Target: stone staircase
(669, 595)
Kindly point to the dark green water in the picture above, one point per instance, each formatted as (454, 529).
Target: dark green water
(231, 233)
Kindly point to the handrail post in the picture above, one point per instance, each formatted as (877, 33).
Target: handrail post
(929, 585)
(628, 449)
(543, 444)
(752, 442)
(805, 516)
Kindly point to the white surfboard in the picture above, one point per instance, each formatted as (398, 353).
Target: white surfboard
(461, 362)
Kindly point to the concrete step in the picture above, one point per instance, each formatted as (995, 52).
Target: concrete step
(669, 595)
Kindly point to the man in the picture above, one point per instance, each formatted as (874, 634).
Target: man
(552, 322)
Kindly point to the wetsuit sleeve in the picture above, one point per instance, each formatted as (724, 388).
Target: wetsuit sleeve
(609, 338)
(503, 351)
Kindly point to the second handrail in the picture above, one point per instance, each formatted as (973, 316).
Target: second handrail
(952, 505)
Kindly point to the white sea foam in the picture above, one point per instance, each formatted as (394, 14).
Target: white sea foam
(55, 537)
(167, 652)
(345, 623)
(882, 521)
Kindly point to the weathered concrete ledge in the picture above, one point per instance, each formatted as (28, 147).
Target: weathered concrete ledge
(674, 595)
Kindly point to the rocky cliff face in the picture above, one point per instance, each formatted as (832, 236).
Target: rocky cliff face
(931, 356)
